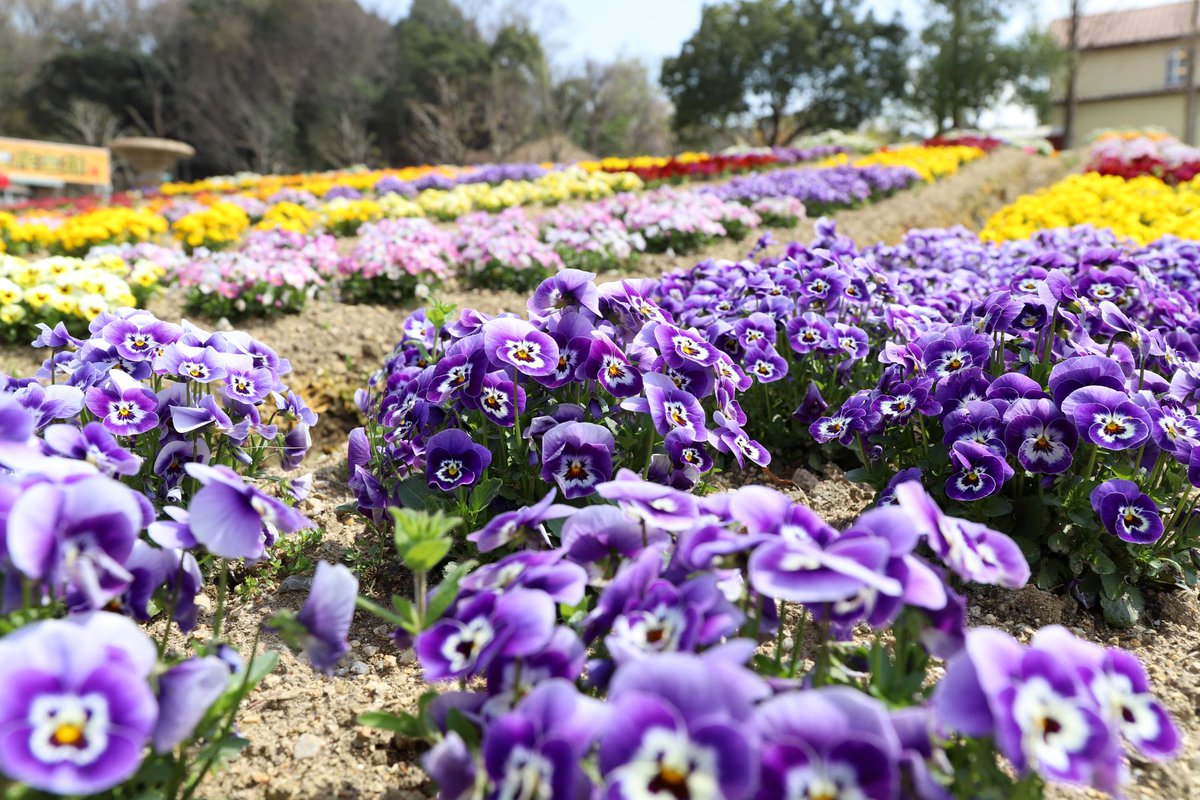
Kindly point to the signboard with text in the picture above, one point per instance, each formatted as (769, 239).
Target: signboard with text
(27, 161)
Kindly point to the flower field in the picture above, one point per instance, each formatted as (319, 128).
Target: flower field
(646, 480)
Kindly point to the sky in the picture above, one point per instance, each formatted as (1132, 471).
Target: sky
(653, 29)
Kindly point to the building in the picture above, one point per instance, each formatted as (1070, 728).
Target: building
(1132, 69)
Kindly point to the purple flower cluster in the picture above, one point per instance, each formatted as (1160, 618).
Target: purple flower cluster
(1037, 374)
(647, 693)
(599, 377)
(821, 190)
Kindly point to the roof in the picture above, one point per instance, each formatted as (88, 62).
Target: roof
(1132, 26)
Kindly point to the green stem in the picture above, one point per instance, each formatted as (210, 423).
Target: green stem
(227, 728)
(222, 586)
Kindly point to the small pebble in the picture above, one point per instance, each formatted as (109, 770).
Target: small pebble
(295, 583)
(360, 668)
(307, 746)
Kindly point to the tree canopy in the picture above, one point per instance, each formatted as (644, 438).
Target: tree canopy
(785, 67)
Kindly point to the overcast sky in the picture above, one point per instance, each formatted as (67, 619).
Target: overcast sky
(654, 29)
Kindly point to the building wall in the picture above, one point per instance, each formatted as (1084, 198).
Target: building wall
(1119, 70)
(1122, 70)
(1164, 112)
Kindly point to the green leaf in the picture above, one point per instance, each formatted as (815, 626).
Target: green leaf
(457, 721)
(261, 667)
(446, 591)
(424, 556)
(1059, 542)
(1120, 612)
(414, 493)
(1048, 575)
(997, 506)
(1102, 564)
(402, 724)
(1113, 585)
(484, 493)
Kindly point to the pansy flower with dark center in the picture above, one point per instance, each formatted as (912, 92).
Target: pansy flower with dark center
(1039, 712)
(680, 347)
(577, 456)
(608, 365)
(140, 337)
(1126, 512)
(496, 399)
(808, 332)
(954, 350)
(1043, 440)
(518, 622)
(1107, 418)
(672, 408)
(978, 471)
(125, 407)
(765, 365)
(453, 459)
(515, 344)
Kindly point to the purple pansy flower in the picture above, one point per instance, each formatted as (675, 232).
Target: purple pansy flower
(78, 710)
(125, 407)
(1043, 440)
(972, 551)
(764, 364)
(680, 725)
(681, 347)
(569, 288)
(453, 459)
(1127, 512)
(185, 693)
(94, 445)
(833, 742)
(518, 622)
(525, 522)
(610, 367)
(978, 472)
(233, 519)
(674, 409)
(515, 344)
(954, 350)
(327, 613)
(1107, 418)
(577, 456)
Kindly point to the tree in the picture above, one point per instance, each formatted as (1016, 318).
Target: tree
(617, 109)
(967, 67)
(784, 66)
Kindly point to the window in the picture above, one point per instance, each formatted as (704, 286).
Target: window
(1177, 60)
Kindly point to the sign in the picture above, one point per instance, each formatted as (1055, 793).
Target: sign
(27, 161)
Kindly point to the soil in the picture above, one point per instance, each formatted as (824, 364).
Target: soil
(303, 738)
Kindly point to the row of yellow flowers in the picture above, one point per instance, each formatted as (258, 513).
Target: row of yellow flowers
(931, 163)
(62, 288)
(263, 186)
(1143, 208)
(76, 235)
(221, 223)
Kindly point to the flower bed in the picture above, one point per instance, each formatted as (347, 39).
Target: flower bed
(140, 418)
(820, 189)
(1144, 208)
(982, 370)
(1137, 153)
(273, 272)
(504, 251)
(392, 258)
(591, 238)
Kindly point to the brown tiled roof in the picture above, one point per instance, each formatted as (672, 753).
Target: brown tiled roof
(1132, 26)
